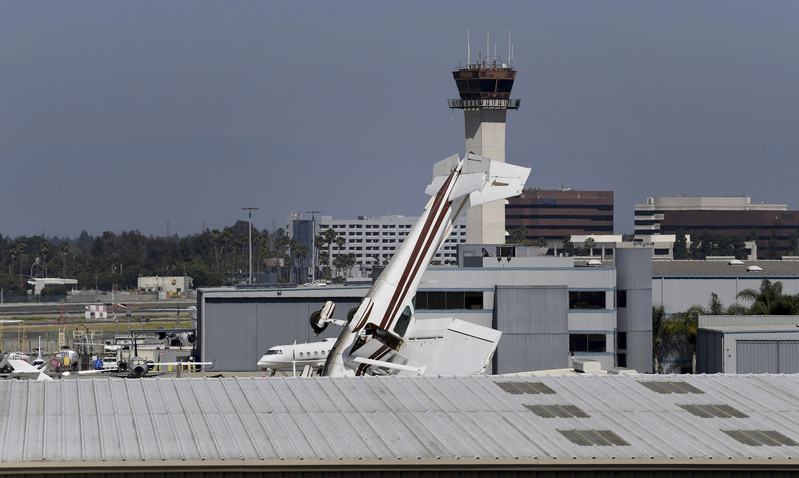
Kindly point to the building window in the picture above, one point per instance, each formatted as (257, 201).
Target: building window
(586, 300)
(621, 298)
(587, 343)
(621, 360)
(449, 300)
(621, 340)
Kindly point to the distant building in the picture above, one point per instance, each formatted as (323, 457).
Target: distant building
(726, 215)
(375, 239)
(40, 284)
(552, 214)
(678, 285)
(747, 344)
(174, 284)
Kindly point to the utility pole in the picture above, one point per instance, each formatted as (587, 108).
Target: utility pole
(313, 244)
(250, 210)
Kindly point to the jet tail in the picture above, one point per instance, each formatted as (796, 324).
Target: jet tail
(482, 179)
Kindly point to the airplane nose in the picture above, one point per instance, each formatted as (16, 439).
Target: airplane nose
(138, 370)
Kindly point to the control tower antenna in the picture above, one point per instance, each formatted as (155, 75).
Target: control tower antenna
(484, 89)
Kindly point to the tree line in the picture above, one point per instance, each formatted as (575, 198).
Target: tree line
(117, 260)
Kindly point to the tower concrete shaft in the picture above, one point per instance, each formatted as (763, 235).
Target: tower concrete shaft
(484, 89)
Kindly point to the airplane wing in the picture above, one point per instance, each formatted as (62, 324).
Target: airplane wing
(25, 371)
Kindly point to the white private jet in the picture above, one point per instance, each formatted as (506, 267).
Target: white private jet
(288, 356)
(375, 334)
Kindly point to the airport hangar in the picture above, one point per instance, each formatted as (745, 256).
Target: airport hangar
(584, 425)
(547, 308)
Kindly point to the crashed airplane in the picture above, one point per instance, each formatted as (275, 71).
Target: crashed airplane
(375, 336)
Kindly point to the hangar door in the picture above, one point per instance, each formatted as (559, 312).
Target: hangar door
(767, 356)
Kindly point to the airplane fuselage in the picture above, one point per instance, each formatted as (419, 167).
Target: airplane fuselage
(372, 341)
(388, 305)
(286, 356)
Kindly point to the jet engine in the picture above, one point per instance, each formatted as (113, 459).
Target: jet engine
(184, 339)
(321, 318)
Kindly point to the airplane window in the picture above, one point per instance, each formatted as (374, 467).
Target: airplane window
(300, 354)
(315, 353)
(323, 353)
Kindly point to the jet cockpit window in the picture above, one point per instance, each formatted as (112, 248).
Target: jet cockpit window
(274, 352)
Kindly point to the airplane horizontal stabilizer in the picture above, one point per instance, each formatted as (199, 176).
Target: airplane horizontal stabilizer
(501, 181)
(482, 179)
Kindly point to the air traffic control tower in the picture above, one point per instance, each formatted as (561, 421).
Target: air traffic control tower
(484, 87)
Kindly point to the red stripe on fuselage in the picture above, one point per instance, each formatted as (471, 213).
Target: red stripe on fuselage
(434, 218)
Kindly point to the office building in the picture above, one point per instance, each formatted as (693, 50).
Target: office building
(553, 214)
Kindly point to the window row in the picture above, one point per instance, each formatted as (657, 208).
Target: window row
(448, 300)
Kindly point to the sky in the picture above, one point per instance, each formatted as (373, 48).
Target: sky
(167, 117)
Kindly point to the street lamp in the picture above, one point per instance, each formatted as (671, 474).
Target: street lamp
(313, 244)
(249, 210)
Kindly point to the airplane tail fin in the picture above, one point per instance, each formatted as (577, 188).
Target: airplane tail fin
(482, 179)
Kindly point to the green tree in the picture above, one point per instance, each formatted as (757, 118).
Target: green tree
(793, 241)
(518, 236)
(590, 243)
(666, 329)
(769, 300)
(568, 247)
(771, 251)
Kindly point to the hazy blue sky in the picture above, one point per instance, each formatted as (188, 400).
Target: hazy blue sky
(128, 115)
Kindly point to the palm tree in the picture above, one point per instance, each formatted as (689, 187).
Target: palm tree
(590, 243)
(666, 328)
(318, 243)
(300, 252)
(769, 300)
(340, 241)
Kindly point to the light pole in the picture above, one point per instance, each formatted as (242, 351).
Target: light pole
(313, 244)
(250, 210)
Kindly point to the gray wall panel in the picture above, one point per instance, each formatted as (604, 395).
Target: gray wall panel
(634, 268)
(639, 351)
(756, 356)
(526, 352)
(534, 325)
(531, 309)
(709, 350)
(789, 357)
(236, 332)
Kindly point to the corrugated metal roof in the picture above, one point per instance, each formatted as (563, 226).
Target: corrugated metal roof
(253, 418)
(723, 268)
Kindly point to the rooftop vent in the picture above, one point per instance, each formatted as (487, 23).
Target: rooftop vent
(754, 269)
(736, 262)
